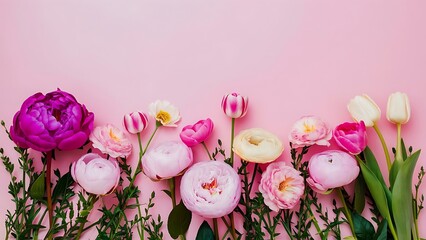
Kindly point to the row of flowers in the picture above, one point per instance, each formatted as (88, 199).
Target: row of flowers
(219, 188)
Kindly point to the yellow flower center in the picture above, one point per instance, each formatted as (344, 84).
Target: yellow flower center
(113, 136)
(308, 128)
(284, 184)
(255, 140)
(163, 117)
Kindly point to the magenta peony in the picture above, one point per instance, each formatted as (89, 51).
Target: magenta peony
(54, 120)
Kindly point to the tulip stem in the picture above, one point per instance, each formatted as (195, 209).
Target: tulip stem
(216, 230)
(49, 191)
(232, 141)
(150, 139)
(398, 155)
(207, 150)
(385, 148)
(137, 171)
(346, 211)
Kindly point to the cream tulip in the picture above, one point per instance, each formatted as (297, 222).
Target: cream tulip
(398, 110)
(363, 108)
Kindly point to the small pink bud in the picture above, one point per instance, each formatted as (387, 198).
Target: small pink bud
(234, 105)
(135, 122)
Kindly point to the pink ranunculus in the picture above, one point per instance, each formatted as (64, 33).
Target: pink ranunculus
(111, 140)
(309, 130)
(167, 160)
(352, 137)
(281, 186)
(192, 135)
(331, 169)
(135, 122)
(234, 105)
(95, 174)
(210, 189)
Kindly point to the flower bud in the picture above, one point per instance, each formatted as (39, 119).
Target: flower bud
(352, 137)
(398, 110)
(363, 108)
(192, 135)
(234, 105)
(135, 122)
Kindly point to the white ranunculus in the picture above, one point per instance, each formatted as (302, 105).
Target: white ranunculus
(257, 145)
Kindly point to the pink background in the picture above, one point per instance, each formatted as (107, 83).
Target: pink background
(292, 58)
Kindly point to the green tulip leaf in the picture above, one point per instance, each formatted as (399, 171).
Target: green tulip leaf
(363, 228)
(382, 231)
(402, 197)
(179, 220)
(371, 163)
(205, 232)
(376, 190)
(396, 166)
(37, 188)
(359, 198)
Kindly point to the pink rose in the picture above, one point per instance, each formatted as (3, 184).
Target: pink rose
(352, 137)
(210, 189)
(95, 174)
(167, 160)
(234, 105)
(135, 122)
(192, 135)
(111, 140)
(331, 169)
(281, 186)
(308, 131)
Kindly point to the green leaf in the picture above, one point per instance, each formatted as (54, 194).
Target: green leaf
(396, 166)
(37, 188)
(402, 197)
(371, 163)
(376, 190)
(167, 192)
(179, 220)
(359, 198)
(62, 185)
(363, 228)
(205, 232)
(382, 231)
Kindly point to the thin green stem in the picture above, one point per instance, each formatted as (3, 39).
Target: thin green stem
(232, 229)
(317, 227)
(385, 148)
(49, 191)
(346, 211)
(92, 199)
(216, 229)
(232, 141)
(150, 139)
(256, 166)
(398, 155)
(392, 229)
(207, 150)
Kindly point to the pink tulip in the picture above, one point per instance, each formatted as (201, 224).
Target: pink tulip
(135, 122)
(352, 137)
(331, 169)
(167, 160)
(234, 105)
(308, 131)
(281, 186)
(192, 135)
(111, 140)
(95, 174)
(210, 189)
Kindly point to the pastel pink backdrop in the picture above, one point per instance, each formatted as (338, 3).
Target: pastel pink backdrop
(292, 58)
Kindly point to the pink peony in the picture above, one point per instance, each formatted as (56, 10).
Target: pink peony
(95, 174)
(167, 160)
(210, 189)
(111, 140)
(192, 135)
(135, 122)
(308, 131)
(234, 105)
(331, 169)
(352, 137)
(281, 186)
